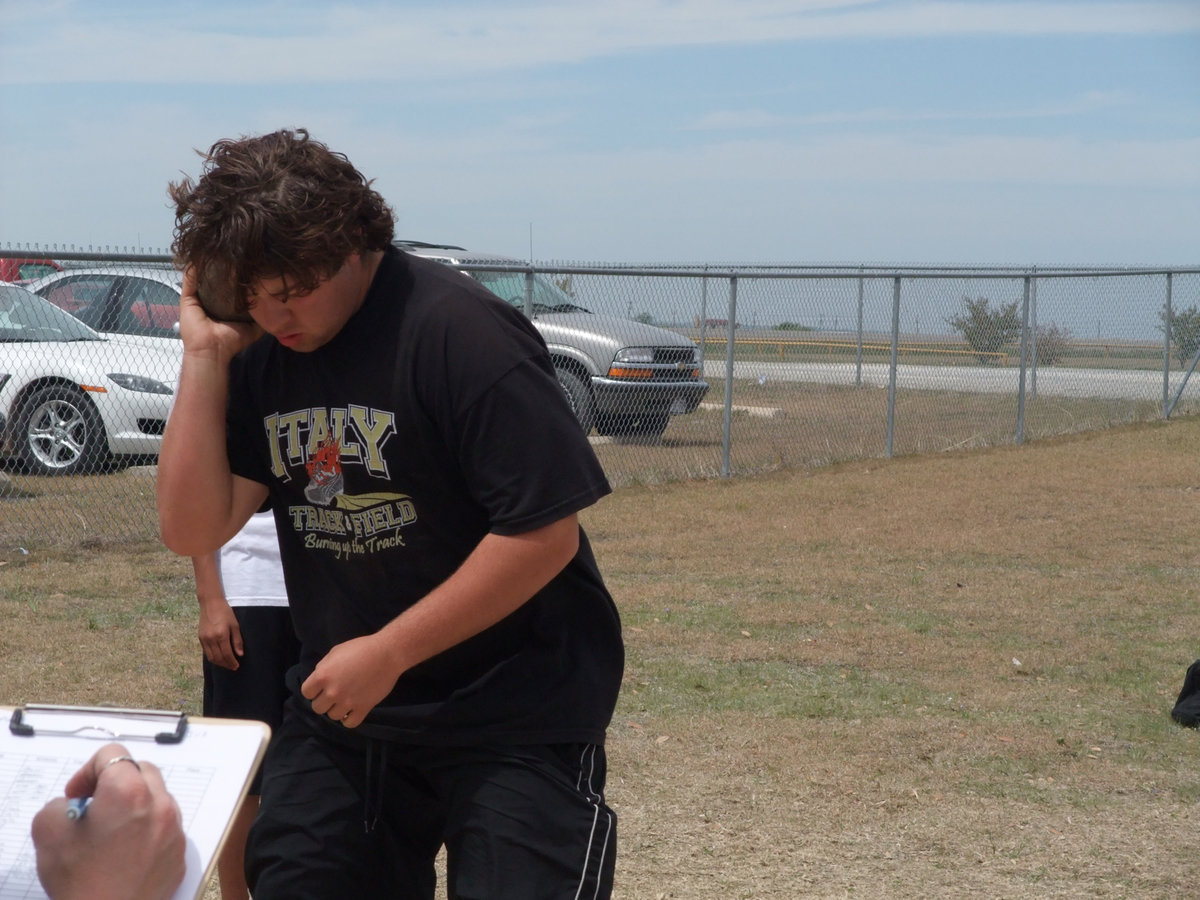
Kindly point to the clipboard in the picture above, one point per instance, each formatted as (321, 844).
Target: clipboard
(207, 764)
(160, 726)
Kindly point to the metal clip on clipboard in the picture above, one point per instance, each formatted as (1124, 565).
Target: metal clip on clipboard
(98, 722)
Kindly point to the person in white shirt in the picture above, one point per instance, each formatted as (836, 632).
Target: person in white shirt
(249, 644)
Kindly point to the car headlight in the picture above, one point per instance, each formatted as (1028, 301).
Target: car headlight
(625, 363)
(635, 355)
(140, 383)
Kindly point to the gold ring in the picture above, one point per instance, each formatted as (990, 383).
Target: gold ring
(117, 759)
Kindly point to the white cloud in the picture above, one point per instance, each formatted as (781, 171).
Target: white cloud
(268, 43)
(742, 120)
(749, 119)
(897, 160)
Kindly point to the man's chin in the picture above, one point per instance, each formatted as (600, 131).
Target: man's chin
(298, 342)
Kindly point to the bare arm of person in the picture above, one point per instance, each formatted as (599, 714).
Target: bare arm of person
(201, 503)
(129, 846)
(218, 629)
(501, 574)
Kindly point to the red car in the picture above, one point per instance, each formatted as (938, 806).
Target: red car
(25, 269)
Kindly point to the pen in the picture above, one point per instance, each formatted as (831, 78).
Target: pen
(77, 806)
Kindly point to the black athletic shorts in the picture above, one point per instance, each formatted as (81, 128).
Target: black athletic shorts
(256, 690)
(360, 818)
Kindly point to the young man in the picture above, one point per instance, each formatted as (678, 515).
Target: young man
(461, 655)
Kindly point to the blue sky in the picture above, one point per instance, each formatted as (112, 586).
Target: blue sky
(893, 131)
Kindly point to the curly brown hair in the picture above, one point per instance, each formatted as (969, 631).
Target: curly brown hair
(281, 205)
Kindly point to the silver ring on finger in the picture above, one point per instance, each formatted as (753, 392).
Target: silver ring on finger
(117, 759)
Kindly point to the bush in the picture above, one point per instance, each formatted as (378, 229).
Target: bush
(986, 330)
(1184, 329)
(1052, 343)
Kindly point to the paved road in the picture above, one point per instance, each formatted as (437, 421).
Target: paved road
(1052, 381)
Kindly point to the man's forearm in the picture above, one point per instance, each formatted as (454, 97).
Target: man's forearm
(500, 575)
(207, 573)
(195, 486)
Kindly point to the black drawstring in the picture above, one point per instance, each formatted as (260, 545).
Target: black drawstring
(374, 784)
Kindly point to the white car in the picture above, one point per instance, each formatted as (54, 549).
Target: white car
(139, 302)
(71, 399)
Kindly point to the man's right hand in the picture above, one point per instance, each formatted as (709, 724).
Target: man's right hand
(205, 336)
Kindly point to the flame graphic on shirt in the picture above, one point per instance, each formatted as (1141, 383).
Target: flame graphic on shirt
(324, 472)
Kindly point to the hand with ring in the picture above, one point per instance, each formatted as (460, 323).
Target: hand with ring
(130, 844)
(352, 677)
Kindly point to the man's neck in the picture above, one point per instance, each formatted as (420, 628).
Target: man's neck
(366, 268)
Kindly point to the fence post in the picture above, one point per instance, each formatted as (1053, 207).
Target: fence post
(858, 353)
(1033, 335)
(1167, 353)
(703, 316)
(1024, 363)
(529, 293)
(891, 407)
(727, 422)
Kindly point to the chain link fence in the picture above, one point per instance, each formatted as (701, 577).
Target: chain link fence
(678, 373)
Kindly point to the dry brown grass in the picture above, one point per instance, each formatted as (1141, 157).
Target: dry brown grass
(816, 425)
(812, 425)
(935, 676)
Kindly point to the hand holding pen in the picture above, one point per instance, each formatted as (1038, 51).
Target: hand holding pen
(77, 806)
(128, 846)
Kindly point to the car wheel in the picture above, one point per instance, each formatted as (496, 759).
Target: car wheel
(580, 398)
(641, 425)
(61, 433)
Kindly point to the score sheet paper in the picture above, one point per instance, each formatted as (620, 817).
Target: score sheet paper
(208, 773)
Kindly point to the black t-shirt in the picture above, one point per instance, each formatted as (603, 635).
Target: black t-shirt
(431, 419)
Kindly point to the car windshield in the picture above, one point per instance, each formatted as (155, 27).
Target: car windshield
(548, 297)
(24, 316)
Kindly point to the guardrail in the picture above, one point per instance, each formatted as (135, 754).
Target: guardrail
(780, 348)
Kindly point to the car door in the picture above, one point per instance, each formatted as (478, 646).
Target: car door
(143, 306)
